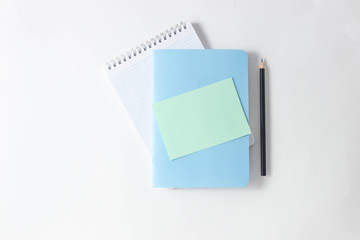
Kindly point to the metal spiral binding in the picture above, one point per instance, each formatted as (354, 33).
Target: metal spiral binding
(158, 39)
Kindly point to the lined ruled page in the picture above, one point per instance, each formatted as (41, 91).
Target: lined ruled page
(133, 79)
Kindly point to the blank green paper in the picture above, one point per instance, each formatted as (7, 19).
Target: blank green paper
(201, 118)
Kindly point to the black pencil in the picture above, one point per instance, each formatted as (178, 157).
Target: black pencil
(262, 118)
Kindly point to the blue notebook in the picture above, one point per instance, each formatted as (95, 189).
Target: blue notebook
(180, 71)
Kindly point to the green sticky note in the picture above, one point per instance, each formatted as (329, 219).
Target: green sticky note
(201, 118)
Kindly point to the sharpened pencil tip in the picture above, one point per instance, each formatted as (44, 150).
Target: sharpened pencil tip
(262, 61)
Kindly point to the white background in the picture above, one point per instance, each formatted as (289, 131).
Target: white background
(73, 167)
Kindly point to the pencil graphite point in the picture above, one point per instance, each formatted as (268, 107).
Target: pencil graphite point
(262, 61)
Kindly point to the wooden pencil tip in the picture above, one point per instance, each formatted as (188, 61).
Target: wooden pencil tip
(262, 61)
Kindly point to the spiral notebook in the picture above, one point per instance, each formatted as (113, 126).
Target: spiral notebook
(131, 74)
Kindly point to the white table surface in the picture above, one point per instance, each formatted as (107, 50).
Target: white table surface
(73, 167)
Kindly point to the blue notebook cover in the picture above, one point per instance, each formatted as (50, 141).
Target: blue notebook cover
(180, 71)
